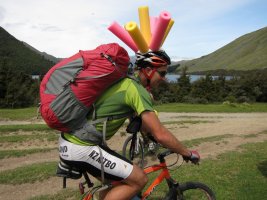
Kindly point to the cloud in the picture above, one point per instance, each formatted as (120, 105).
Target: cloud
(2, 14)
(46, 28)
(61, 27)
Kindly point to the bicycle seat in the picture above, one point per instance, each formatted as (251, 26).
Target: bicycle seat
(67, 171)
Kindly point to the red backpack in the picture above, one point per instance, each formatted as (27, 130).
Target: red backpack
(70, 88)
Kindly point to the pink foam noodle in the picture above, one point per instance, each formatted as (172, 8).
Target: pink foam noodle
(123, 35)
(158, 35)
(153, 24)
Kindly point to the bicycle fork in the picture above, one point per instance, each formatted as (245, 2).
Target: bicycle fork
(134, 148)
(173, 189)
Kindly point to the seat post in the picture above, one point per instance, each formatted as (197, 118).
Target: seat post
(87, 179)
(64, 182)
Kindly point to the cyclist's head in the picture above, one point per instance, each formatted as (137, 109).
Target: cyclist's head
(152, 59)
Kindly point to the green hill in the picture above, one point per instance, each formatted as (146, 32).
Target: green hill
(248, 52)
(44, 54)
(15, 55)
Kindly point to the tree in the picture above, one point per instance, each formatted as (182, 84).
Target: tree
(17, 89)
(161, 94)
(184, 85)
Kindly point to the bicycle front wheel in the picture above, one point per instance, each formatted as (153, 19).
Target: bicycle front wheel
(133, 151)
(195, 190)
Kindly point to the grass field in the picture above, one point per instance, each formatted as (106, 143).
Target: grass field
(211, 108)
(18, 114)
(30, 113)
(24, 127)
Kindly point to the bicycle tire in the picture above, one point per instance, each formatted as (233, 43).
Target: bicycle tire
(195, 190)
(138, 157)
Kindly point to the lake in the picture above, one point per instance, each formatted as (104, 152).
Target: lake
(174, 77)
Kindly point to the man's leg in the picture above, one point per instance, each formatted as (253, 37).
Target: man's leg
(116, 167)
(128, 188)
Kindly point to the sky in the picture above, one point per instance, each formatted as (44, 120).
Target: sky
(63, 27)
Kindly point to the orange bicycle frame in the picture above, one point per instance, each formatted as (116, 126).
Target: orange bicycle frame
(163, 175)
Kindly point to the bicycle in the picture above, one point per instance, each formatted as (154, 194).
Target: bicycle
(177, 191)
(137, 146)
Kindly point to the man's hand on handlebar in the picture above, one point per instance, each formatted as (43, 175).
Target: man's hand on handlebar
(194, 157)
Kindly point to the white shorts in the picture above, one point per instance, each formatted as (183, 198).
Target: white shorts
(116, 167)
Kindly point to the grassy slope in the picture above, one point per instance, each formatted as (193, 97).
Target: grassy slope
(15, 55)
(245, 53)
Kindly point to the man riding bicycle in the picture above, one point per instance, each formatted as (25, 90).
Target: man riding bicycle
(126, 96)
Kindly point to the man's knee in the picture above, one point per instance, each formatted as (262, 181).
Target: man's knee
(138, 177)
(143, 180)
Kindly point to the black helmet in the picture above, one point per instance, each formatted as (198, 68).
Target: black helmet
(153, 59)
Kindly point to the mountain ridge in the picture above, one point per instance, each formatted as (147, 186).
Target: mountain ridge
(46, 55)
(245, 53)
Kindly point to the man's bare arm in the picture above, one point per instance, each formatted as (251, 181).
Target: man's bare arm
(151, 124)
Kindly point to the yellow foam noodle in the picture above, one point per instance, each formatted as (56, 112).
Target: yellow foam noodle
(137, 36)
(145, 23)
(167, 30)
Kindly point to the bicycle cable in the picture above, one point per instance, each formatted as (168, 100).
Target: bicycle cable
(175, 164)
(100, 187)
(94, 190)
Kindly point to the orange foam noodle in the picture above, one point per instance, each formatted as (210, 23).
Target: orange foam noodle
(123, 35)
(160, 30)
(167, 31)
(137, 36)
(145, 23)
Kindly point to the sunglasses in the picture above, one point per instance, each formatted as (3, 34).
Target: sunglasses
(162, 73)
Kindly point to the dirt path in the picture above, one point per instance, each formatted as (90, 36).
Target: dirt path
(185, 126)
(217, 124)
(12, 163)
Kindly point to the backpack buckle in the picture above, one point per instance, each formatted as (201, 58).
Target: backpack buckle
(108, 58)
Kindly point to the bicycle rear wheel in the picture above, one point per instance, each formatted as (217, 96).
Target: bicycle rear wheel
(134, 152)
(195, 190)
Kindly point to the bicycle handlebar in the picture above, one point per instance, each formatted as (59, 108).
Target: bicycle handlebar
(163, 154)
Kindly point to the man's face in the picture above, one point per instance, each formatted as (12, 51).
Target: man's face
(159, 75)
